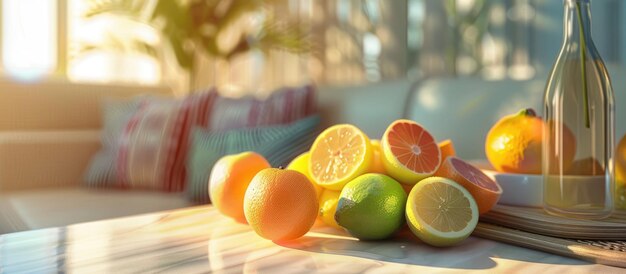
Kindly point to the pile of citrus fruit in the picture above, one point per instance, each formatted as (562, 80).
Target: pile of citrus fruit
(370, 188)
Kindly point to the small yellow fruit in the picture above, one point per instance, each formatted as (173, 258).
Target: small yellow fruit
(328, 206)
(301, 164)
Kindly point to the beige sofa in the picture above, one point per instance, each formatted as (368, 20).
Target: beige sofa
(49, 132)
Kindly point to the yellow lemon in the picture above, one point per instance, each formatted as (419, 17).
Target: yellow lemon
(338, 155)
(301, 164)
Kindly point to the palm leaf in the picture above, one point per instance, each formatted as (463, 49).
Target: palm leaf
(122, 45)
(129, 8)
(184, 22)
(281, 35)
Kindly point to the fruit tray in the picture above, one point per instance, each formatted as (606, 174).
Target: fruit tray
(535, 220)
(611, 253)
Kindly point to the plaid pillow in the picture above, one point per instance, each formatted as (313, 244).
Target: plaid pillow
(279, 144)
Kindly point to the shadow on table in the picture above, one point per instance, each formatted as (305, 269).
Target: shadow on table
(473, 253)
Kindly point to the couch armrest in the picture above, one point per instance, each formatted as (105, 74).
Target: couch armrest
(37, 159)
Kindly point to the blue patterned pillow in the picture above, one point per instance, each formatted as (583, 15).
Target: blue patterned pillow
(279, 145)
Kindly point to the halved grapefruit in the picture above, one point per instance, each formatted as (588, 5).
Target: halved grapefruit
(410, 153)
(486, 191)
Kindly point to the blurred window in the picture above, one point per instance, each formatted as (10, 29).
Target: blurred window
(51, 39)
(98, 51)
(29, 35)
(353, 41)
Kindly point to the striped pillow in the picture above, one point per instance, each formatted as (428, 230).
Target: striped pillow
(279, 144)
(145, 142)
(283, 106)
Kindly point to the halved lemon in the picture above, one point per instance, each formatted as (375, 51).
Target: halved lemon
(441, 212)
(338, 155)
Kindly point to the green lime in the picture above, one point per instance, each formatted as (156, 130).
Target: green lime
(371, 207)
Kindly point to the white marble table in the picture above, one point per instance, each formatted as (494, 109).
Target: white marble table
(200, 240)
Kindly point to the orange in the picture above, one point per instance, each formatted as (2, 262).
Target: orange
(338, 155)
(585, 166)
(447, 149)
(485, 191)
(441, 212)
(566, 147)
(280, 204)
(377, 161)
(514, 143)
(410, 153)
(229, 180)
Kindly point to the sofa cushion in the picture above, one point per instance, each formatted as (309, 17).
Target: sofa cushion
(42, 208)
(371, 107)
(283, 106)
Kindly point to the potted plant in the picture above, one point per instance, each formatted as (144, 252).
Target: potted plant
(195, 29)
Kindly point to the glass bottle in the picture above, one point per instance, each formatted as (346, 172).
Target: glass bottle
(579, 118)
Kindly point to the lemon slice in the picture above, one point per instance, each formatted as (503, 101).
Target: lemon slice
(441, 212)
(338, 155)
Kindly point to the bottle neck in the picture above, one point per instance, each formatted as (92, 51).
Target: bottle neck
(577, 21)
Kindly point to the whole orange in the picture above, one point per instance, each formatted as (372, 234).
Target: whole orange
(514, 143)
(280, 204)
(229, 181)
(562, 152)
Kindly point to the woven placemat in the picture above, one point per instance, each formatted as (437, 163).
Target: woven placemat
(535, 220)
(611, 253)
